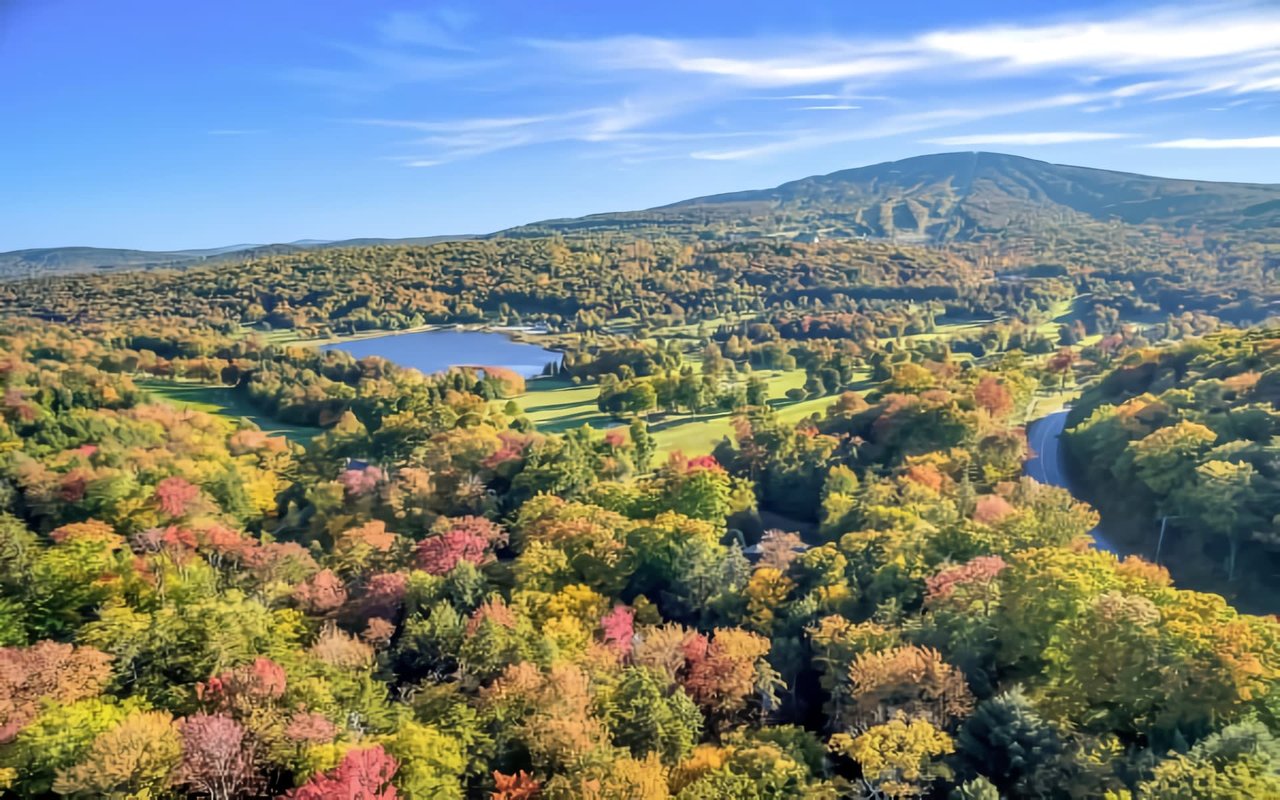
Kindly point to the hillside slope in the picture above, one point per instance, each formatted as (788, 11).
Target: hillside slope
(51, 261)
(958, 196)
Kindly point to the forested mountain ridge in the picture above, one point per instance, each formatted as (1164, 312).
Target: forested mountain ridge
(962, 196)
(49, 261)
(936, 199)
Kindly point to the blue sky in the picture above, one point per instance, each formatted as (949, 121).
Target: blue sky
(158, 124)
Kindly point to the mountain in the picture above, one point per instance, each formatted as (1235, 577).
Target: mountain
(947, 197)
(50, 261)
(956, 196)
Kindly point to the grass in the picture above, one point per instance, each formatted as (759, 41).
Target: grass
(221, 401)
(558, 405)
(1046, 402)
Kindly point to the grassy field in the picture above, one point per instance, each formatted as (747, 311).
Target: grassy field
(557, 405)
(221, 401)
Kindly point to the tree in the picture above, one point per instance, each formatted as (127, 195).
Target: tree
(840, 511)
(698, 488)
(1166, 459)
(217, 757)
(649, 715)
(59, 738)
(993, 397)
(431, 762)
(898, 757)
(1060, 364)
(365, 773)
(1220, 498)
(60, 673)
(1240, 761)
(520, 786)
(1009, 743)
(644, 443)
(322, 593)
(175, 495)
(724, 672)
(439, 554)
(908, 679)
(135, 759)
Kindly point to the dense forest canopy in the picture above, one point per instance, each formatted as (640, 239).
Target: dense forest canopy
(435, 600)
(424, 591)
(986, 235)
(1190, 433)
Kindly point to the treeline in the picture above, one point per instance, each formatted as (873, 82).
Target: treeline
(576, 284)
(1188, 432)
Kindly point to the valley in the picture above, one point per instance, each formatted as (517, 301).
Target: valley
(722, 499)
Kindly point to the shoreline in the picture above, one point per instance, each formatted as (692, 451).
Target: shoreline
(514, 333)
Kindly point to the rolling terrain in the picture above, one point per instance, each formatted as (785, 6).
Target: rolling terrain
(931, 199)
(52, 261)
(957, 197)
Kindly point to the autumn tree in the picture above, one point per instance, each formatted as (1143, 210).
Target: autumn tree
(136, 758)
(218, 758)
(899, 758)
(364, 772)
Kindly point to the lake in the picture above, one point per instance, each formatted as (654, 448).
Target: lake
(437, 351)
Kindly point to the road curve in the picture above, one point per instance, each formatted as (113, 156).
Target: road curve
(1045, 465)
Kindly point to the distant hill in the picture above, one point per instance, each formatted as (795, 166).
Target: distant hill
(50, 261)
(932, 199)
(955, 196)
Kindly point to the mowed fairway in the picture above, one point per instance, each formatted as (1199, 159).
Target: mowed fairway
(221, 401)
(556, 406)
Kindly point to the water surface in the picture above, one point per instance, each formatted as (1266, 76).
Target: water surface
(437, 351)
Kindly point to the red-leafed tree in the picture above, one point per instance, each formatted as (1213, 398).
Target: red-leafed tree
(618, 628)
(440, 554)
(310, 728)
(383, 597)
(245, 687)
(993, 397)
(358, 482)
(175, 495)
(493, 533)
(322, 593)
(991, 508)
(364, 774)
(218, 759)
(970, 587)
(46, 671)
(520, 786)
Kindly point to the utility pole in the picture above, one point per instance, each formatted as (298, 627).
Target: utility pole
(1164, 523)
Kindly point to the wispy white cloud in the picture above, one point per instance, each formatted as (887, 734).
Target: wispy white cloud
(1028, 138)
(896, 125)
(1247, 143)
(477, 123)
(625, 122)
(1151, 38)
(1174, 39)
(643, 96)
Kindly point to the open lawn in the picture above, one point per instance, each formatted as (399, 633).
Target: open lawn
(221, 401)
(558, 405)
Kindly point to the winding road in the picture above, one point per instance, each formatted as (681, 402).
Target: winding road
(1046, 466)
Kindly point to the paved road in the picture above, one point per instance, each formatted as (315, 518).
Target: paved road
(1046, 466)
